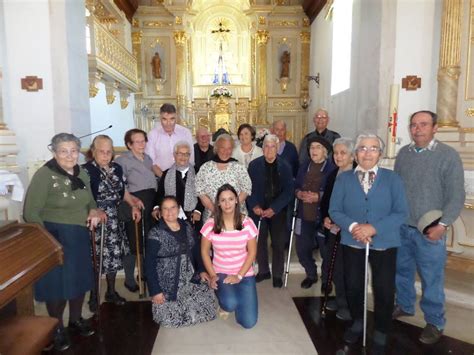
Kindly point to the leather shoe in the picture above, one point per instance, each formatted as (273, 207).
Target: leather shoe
(431, 334)
(133, 288)
(351, 337)
(277, 282)
(115, 298)
(61, 341)
(262, 276)
(308, 282)
(399, 312)
(81, 327)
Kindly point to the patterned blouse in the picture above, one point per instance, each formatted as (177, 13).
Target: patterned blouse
(209, 179)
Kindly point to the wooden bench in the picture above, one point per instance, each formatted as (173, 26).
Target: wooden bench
(26, 335)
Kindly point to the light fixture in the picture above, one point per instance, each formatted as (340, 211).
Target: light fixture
(313, 77)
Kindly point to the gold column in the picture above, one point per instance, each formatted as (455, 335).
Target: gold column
(305, 43)
(449, 63)
(136, 48)
(262, 40)
(180, 42)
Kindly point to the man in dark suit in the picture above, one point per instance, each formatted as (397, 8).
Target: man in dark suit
(203, 150)
(272, 190)
(321, 121)
(286, 149)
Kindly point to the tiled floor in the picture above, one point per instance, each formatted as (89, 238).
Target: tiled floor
(280, 329)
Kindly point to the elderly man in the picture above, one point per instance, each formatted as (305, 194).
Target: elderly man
(286, 150)
(272, 190)
(163, 137)
(434, 180)
(321, 121)
(203, 150)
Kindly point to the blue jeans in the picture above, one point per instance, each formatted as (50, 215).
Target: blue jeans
(240, 298)
(417, 253)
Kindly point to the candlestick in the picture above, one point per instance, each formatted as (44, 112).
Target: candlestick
(392, 120)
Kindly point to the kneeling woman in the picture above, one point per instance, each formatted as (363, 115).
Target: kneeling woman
(232, 237)
(179, 298)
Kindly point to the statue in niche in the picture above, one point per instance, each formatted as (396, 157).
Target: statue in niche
(285, 64)
(156, 66)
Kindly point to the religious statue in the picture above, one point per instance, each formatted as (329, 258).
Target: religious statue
(285, 64)
(156, 66)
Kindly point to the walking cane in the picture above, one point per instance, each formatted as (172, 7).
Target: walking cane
(101, 259)
(258, 234)
(94, 264)
(144, 249)
(139, 261)
(287, 271)
(330, 275)
(366, 282)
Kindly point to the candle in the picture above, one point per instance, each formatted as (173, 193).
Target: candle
(392, 120)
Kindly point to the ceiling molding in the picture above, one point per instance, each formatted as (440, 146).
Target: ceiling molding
(128, 7)
(313, 7)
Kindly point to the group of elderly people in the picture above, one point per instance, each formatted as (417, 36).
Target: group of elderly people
(202, 227)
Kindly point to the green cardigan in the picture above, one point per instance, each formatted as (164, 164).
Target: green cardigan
(51, 199)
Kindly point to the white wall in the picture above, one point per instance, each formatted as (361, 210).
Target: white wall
(417, 53)
(391, 39)
(26, 52)
(103, 115)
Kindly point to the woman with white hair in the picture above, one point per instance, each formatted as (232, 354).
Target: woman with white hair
(220, 170)
(343, 155)
(60, 199)
(369, 206)
(310, 185)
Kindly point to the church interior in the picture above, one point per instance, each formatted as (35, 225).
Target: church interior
(90, 66)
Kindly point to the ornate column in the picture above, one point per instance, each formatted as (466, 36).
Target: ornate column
(180, 42)
(305, 43)
(262, 40)
(449, 63)
(137, 52)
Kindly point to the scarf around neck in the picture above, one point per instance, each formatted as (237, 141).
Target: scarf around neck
(219, 160)
(190, 196)
(76, 182)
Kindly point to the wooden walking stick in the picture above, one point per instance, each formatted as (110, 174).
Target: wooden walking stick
(330, 274)
(139, 262)
(96, 271)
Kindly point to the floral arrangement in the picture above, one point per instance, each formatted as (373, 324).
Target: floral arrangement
(221, 91)
(260, 136)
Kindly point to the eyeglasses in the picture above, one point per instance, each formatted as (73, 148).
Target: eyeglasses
(139, 142)
(65, 152)
(364, 149)
(179, 154)
(321, 117)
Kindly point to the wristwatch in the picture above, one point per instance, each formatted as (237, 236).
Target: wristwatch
(240, 277)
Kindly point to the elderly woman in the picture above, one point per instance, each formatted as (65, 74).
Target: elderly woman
(220, 170)
(179, 298)
(369, 205)
(141, 182)
(247, 150)
(59, 198)
(108, 188)
(343, 155)
(310, 184)
(232, 238)
(180, 181)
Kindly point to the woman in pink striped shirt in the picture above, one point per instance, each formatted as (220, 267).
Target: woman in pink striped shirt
(232, 238)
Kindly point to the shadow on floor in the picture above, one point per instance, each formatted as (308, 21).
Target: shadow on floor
(327, 333)
(127, 329)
